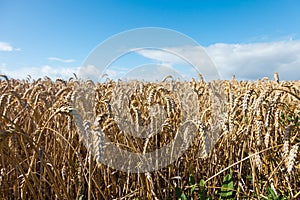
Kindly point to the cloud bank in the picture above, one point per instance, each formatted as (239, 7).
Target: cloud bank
(247, 61)
(257, 60)
(39, 72)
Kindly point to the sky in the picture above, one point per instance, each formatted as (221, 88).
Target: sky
(249, 38)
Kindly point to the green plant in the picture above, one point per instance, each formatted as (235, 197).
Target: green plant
(227, 187)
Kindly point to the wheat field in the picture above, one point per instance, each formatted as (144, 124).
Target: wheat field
(246, 133)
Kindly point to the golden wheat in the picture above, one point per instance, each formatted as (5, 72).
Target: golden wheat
(50, 130)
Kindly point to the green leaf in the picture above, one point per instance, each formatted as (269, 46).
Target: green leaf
(192, 180)
(81, 197)
(271, 194)
(202, 183)
(183, 197)
(296, 119)
(192, 183)
(178, 192)
(249, 177)
(193, 189)
(202, 190)
(227, 187)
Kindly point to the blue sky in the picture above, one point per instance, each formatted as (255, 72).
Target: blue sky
(251, 38)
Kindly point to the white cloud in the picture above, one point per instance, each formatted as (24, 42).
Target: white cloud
(112, 74)
(257, 60)
(89, 72)
(5, 47)
(146, 72)
(116, 72)
(61, 60)
(151, 72)
(246, 61)
(39, 72)
(58, 72)
(194, 57)
(163, 55)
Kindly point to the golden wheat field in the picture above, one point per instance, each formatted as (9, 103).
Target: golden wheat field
(250, 152)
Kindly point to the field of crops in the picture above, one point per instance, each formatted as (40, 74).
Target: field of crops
(246, 144)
